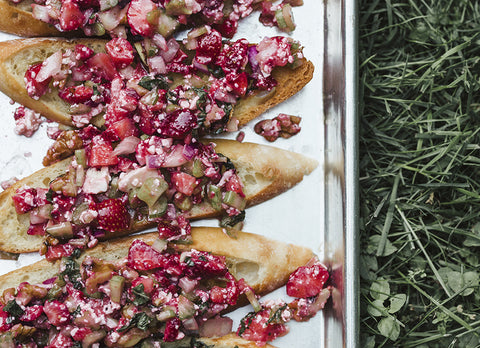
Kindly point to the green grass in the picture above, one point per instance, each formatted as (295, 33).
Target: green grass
(420, 172)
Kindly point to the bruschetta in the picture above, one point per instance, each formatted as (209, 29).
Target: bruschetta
(146, 18)
(63, 207)
(140, 289)
(215, 86)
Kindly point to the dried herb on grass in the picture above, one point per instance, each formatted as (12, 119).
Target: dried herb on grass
(420, 172)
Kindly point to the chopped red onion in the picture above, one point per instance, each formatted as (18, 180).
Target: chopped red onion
(218, 326)
(157, 65)
(171, 50)
(189, 152)
(51, 66)
(190, 324)
(176, 157)
(252, 54)
(199, 66)
(126, 146)
(187, 284)
(40, 12)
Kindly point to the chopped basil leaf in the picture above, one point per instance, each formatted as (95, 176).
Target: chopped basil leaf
(189, 262)
(77, 312)
(139, 320)
(245, 323)
(72, 271)
(230, 221)
(49, 195)
(140, 297)
(150, 83)
(276, 317)
(13, 309)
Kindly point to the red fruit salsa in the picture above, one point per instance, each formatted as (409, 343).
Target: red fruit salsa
(161, 87)
(269, 320)
(155, 295)
(148, 18)
(137, 183)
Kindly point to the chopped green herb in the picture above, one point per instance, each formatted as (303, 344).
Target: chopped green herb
(139, 320)
(13, 308)
(140, 297)
(149, 82)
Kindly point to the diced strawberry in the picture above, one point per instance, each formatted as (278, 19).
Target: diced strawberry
(233, 57)
(71, 17)
(209, 46)
(142, 257)
(172, 328)
(178, 124)
(184, 182)
(101, 154)
(137, 17)
(83, 52)
(234, 184)
(258, 327)
(123, 104)
(121, 52)
(102, 65)
(113, 215)
(56, 252)
(238, 82)
(61, 340)
(146, 282)
(206, 265)
(228, 28)
(5, 323)
(76, 94)
(35, 88)
(124, 128)
(85, 4)
(80, 333)
(36, 230)
(32, 313)
(56, 312)
(307, 281)
(24, 199)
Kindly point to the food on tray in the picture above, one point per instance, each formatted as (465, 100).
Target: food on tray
(142, 289)
(283, 126)
(144, 18)
(157, 182)
(204, 86)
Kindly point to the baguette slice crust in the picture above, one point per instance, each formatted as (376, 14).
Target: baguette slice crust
(266, 172)
(265, 264)
(17, 55)
(17, 19)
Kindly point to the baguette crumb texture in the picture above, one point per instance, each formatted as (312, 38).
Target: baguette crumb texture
(15, 58)
(17, 19)
(266, 172)
(17, 55)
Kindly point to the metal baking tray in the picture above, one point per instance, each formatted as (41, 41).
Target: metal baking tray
(320, 212)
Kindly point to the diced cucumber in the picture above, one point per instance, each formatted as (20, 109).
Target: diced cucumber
(233, 199)
(152, 189)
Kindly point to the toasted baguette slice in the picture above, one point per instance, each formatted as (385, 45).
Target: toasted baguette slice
(263, 263)
(265, 171)
(17, 55)
(17, 19)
